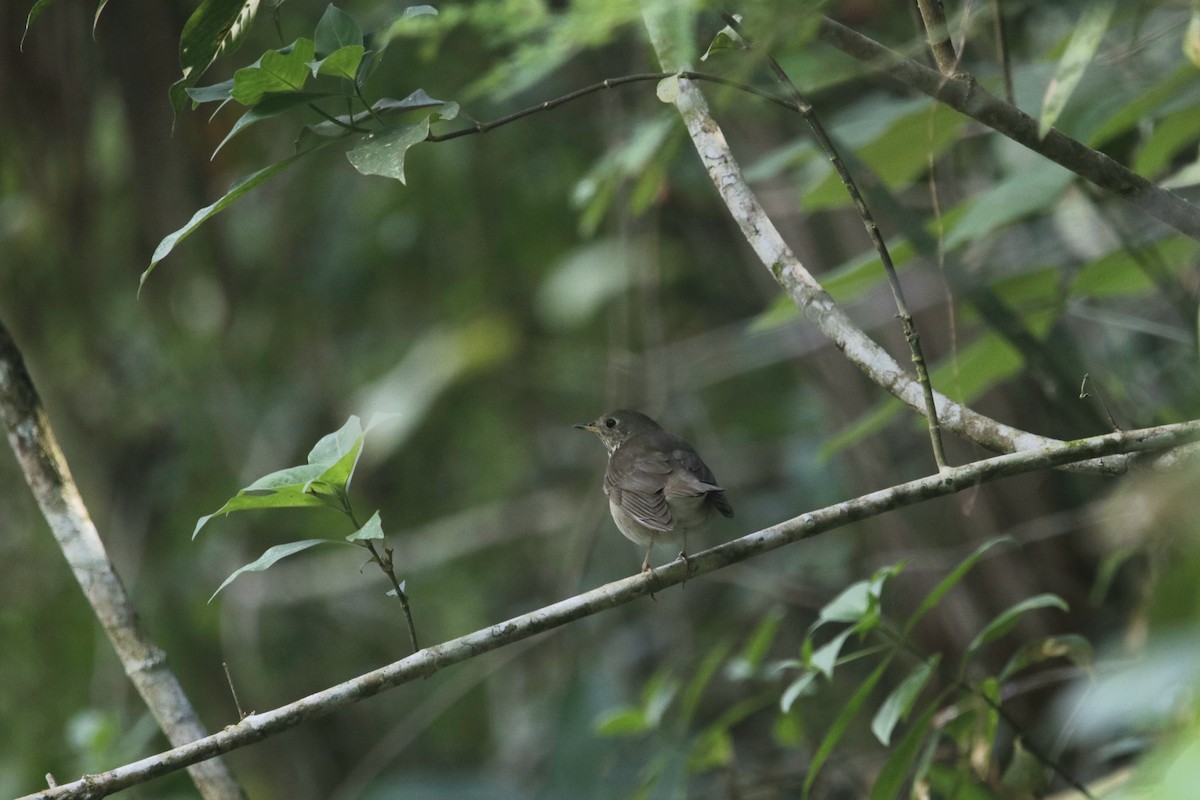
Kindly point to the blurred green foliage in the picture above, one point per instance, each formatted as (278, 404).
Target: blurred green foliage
(535, 276)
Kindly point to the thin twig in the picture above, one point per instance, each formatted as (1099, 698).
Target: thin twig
(1084, 395)
(1001, 34)
(937, 33)
(237, 703)
(434, 659)
(968, 97)
(384, 563)
(906, 320)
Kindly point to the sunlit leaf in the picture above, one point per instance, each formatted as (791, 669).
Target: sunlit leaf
(216, 28)
(279, 71)
(342, 63)
(623, 721)
(271, 557)
(795, 689)
(382, 153)
(371, 530)
(1081, 49)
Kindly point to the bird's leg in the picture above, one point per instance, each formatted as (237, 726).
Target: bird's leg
(647, 568)
(687, 565)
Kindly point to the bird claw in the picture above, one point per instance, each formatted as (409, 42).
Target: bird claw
(687, 566)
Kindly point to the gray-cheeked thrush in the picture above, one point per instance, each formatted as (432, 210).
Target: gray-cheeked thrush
(658, 487)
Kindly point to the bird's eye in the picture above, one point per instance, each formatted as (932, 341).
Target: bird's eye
(610, 423)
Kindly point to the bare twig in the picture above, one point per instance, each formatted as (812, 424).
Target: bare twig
(968, 97)
(422, 664)
(906, 319)
(49, 478)
(232, 691)
(1001, 33)
(933, 15)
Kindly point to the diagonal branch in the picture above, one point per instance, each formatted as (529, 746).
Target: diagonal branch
(50, 480)
(429, 661)
(968, 97)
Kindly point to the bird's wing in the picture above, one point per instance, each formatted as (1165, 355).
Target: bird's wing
(636, 485)
(692, 477)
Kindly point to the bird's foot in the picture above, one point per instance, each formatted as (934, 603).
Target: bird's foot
(653, 577)
(687, 566)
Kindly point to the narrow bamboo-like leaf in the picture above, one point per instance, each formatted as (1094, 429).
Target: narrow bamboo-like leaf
(371, 530)
(950, 581)
(96, 19)
(726, 39)
(216, 28)
(279, 71)
(382, 153)
(1081, 49)
(825, 657)
(1075, 649)
(1004, 621)
(891, 778)
(269, 558)
(795, 689)
(704, 673)
(235, 193)
(838, 729)
(897, 704)
(848, 606)
(622, 721)
(34, 13)
(336, 30)
(757, 645)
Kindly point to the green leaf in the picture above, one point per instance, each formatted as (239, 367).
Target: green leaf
(238, 190)
(269, 558)
(704, 673)
(890, 780)
(757, 645)
(34, 13)
(338, 453)
(623, 721)
(336, 30)
(726, 39)
(1081, 49)
(341, 63)
(897, 704)
(215, 29)
(825, 657)
(286, 488)
(96, 19)
(849, 606)
(278, 71)
(710, 750)
(950, 581)
(1005, 621)
(271, 106)
(795, 689)
(838, 729)
(217, 92)
(1075, 649)
(372, 530)
(382, 153)
(1016, 197)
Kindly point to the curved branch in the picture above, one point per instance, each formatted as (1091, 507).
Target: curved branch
(427, 662)
(50, 480)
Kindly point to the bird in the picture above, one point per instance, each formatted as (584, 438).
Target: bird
(658, 487)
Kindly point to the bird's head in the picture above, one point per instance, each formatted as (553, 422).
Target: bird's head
(616, 427)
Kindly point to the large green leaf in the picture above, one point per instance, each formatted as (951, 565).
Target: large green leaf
(278, 71)
(270, 106)
(341, 63)
(1081, 49)
(215, 29)
(382, 153)
(271, 557)
(335, 31)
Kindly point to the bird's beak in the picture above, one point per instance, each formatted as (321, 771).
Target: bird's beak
(587, 426)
